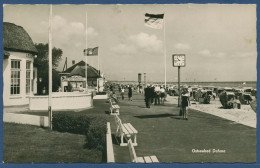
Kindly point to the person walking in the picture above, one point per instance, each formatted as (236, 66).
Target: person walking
(185, 102)
(162, 90)
(130, 93)
(148, 94)
(123, 93)
(157, 95)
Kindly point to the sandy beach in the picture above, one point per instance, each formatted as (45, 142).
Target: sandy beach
(245, 115)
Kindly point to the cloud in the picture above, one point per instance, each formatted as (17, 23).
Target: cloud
(220, 55)
(92, 32)
(147, 42)
(142, 42)
(68, 33)
(124, 49)
(244, 55)
(205, 53)
(182, 46)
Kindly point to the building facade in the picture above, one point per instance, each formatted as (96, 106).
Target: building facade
(74, 78)
(19, 75)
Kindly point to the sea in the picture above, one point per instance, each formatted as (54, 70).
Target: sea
(220, 84)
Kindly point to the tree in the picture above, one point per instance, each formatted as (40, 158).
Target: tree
(42, 63)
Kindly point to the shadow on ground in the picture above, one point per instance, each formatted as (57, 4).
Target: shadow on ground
(156, 116)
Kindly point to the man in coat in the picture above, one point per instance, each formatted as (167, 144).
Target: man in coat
(148, 93)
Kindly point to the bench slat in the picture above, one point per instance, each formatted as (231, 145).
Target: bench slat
(140, 160)
(128, 129)
(147, 159)
(124, 129)
(115, 106)
(154, 159)
(132, 128)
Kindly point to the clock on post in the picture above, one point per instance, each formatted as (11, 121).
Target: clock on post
(178, 60)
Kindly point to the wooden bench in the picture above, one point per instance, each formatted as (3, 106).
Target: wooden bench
(135, 159)
(125, 130)
(114, 108)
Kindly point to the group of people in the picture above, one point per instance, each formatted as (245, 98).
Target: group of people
(121, 89)
(153, 95)
(156, 95)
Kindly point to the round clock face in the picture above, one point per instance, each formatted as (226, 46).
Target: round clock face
(179, 60)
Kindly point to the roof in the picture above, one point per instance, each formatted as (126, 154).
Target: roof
(6, 54)
(79, 69)
(17, 39)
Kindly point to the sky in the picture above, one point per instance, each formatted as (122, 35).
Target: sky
(219, 40)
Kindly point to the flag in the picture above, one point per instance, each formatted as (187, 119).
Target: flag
(154, 20)
(91, 51)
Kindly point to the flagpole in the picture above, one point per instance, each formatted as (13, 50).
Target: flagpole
(50, 70)
(98, 73)
(165, 80)
(86, 47)
(98, 62)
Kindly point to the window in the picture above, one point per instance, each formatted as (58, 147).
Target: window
(28, 78)
(15, 77)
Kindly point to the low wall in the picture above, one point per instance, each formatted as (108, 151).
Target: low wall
(100, 97)
(110, 150)
(26, 119)
(62, 101)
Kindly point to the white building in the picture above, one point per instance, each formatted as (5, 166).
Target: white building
(19, 75)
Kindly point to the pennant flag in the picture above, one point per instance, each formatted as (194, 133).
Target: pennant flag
(154, 20)
(91, 51)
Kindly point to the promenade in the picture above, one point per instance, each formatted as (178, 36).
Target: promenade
(161, 132)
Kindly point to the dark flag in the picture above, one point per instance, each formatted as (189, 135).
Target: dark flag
(154, 20)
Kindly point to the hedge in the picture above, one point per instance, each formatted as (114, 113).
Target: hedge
(91, 125)
(96, 135)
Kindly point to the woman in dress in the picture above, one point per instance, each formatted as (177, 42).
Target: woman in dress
(122, 93)
(130, 93)
(185, 101)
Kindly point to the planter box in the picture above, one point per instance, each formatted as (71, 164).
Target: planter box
(62, 101)
(100, 97)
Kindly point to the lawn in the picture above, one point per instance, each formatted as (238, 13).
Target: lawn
(31, 144)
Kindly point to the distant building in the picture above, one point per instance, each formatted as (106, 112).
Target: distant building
(19, 75)
(74, 78)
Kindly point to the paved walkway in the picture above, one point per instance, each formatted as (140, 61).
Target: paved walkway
(161, 132)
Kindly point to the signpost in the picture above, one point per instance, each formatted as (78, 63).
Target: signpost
(178, 60)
